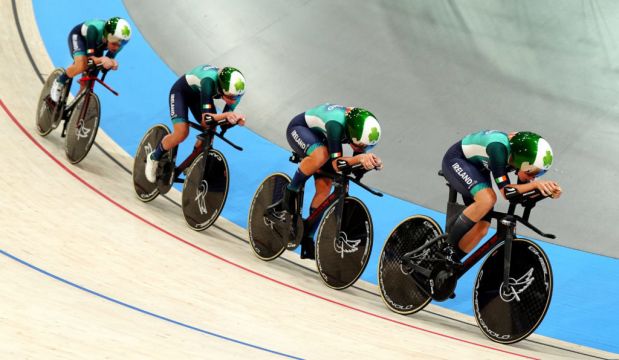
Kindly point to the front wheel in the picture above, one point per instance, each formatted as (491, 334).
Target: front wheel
(146, 190)
(46, 117)
(401, 289)
(267, 238)
(342, 254)
(205, 190)
(508, 314)
(82, 128)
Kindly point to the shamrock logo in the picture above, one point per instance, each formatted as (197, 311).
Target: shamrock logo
(125, 31)
(239, 85)
(374, 134)
(548, 158)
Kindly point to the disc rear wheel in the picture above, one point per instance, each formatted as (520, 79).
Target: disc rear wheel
(145, 190)
(266, 237)
(45, 116)
(401, 289)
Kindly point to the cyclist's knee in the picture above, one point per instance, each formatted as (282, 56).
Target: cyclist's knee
(179, 134)
(81, 64)
(486, 199)
(315, 160)
(482, 228)
(320, 155)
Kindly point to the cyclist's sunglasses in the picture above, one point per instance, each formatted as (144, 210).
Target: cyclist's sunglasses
(232, 97)
(362, 147)
(533, 171)
(114, 39)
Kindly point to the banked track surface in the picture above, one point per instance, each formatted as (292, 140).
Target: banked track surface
(67, 227)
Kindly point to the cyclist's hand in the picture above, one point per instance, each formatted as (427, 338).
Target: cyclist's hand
(547, 188)
(234, 118)
(106, 62)
(556, 193)
(368, 161)
(114, 64)
(379, 162)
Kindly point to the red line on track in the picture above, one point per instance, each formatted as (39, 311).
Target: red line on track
(176, 237)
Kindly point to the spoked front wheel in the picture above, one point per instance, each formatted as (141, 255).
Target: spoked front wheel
(146, 190)
(509, 313)
(342, 254)
(401, 289)
(205, 190)
(265, 236)
(46, 118)
(82, 128)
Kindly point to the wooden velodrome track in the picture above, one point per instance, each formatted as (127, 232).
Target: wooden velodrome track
(88, 271)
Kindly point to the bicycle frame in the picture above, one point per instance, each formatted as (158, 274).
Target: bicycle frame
(206, 136)
(340, 184)
(506, 231)
(89, 84)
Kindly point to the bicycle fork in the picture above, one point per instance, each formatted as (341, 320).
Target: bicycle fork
(510, 223)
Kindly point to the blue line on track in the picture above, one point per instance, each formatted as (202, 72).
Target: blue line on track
(146, 312)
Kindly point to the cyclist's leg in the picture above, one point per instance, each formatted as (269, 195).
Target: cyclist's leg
(77, 49)
(323, 189)
(312, 162)
(180, 131)
(469, 181)
(194, 104)
(179, 116)
(309, 145)
(472, 238)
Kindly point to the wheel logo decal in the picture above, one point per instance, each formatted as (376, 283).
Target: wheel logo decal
(516, 286)
(201, 197)
(344, 245)
(280, 215)
(82, 131)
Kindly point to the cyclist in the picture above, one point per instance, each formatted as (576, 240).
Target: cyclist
(88, 41)
(317, 136)
(196, 91)
(468, 166)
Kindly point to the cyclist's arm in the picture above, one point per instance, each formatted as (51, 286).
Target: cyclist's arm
(207, 105)
(497, 163)
(92, 38)
(334, 139)
(546, 187)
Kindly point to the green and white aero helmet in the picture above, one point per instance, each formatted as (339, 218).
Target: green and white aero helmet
(362, 128)
(231, 82)
(530, 153)
(117, 30)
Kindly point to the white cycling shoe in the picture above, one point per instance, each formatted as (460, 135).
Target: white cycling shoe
(151, 168)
